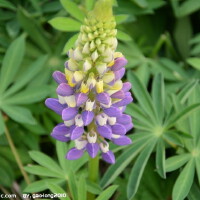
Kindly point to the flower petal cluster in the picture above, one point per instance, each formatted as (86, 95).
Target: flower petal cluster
(91, 95)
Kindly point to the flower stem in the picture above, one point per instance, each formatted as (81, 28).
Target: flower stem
(93, 167)
(16, 155)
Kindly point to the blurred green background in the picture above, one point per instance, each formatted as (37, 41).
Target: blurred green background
(156, 36)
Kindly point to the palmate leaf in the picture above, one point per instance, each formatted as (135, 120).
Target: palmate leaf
(72, 185)
(13, 57)
(1, 123)
(33, 29)
(65, 24)
(70, 43)
(177, 161)
(106, 194)
(19, 114)
(160, 158)
(73, 9)
(194, 193)
(137, 113)
(93, 188)
(197, 163)
(45, 161)
(184, 182)
(41, 185)
(158, 96)
(56, 189)
(142, 95)
(123, 36)
(180, 115)
(138, 169)
(82, 189)
(122, 161)
(61, 149)
(43, 171)
(27, 75)
(28, 96)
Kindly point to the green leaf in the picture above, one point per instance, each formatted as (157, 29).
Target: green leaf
(1, 123)
(121, 18)
(141, 3)
(42, 185)
(123, 36)
(173, 137)
(121, 163)
(136, 112)
(194, 62)
(27, 75)
(184, 182)
(182, 35)
(43, 171)
(160, 158)
(13, 57)
(73, 9)
(33, 29)
(70, 43)
(82, 192)
(45, 161)
(197, 162)
(188, 7)
(72, 185)
(65, 24)
(194, 193)
(182, 114)
(19, 114)
(7, 4)
(141, 94)
(176, 162)
(93, 187)
(158, 95)
(56, 189)
(89, 4)
(138, 169)
(106, 194)
(176, 69)
(61, 149)
(28, 96)
(185, 93)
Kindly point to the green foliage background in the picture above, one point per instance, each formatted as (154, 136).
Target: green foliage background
(161, 40)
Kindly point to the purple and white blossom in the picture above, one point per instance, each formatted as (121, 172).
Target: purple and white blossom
(91, 95)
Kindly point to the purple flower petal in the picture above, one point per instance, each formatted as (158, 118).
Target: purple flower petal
(109, 157)
(123, 102)
(119, 63)
(74, 154)
(119, 74)
(76, 132)
(80, 98)
(126, 86)
(113, 111)
(118, 95)
(64, 90)
(59, 77)
(124, 119)
(128, 127)
(69, 113)
(103, 98)
(118, 129)
(123, 140)
(60, 132)
(105, 131)
(87, 117)
(92, 149)
(54, 105)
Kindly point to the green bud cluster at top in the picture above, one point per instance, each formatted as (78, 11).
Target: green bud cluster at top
(96, 44)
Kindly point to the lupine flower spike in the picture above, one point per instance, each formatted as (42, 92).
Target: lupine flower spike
(91, 96)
